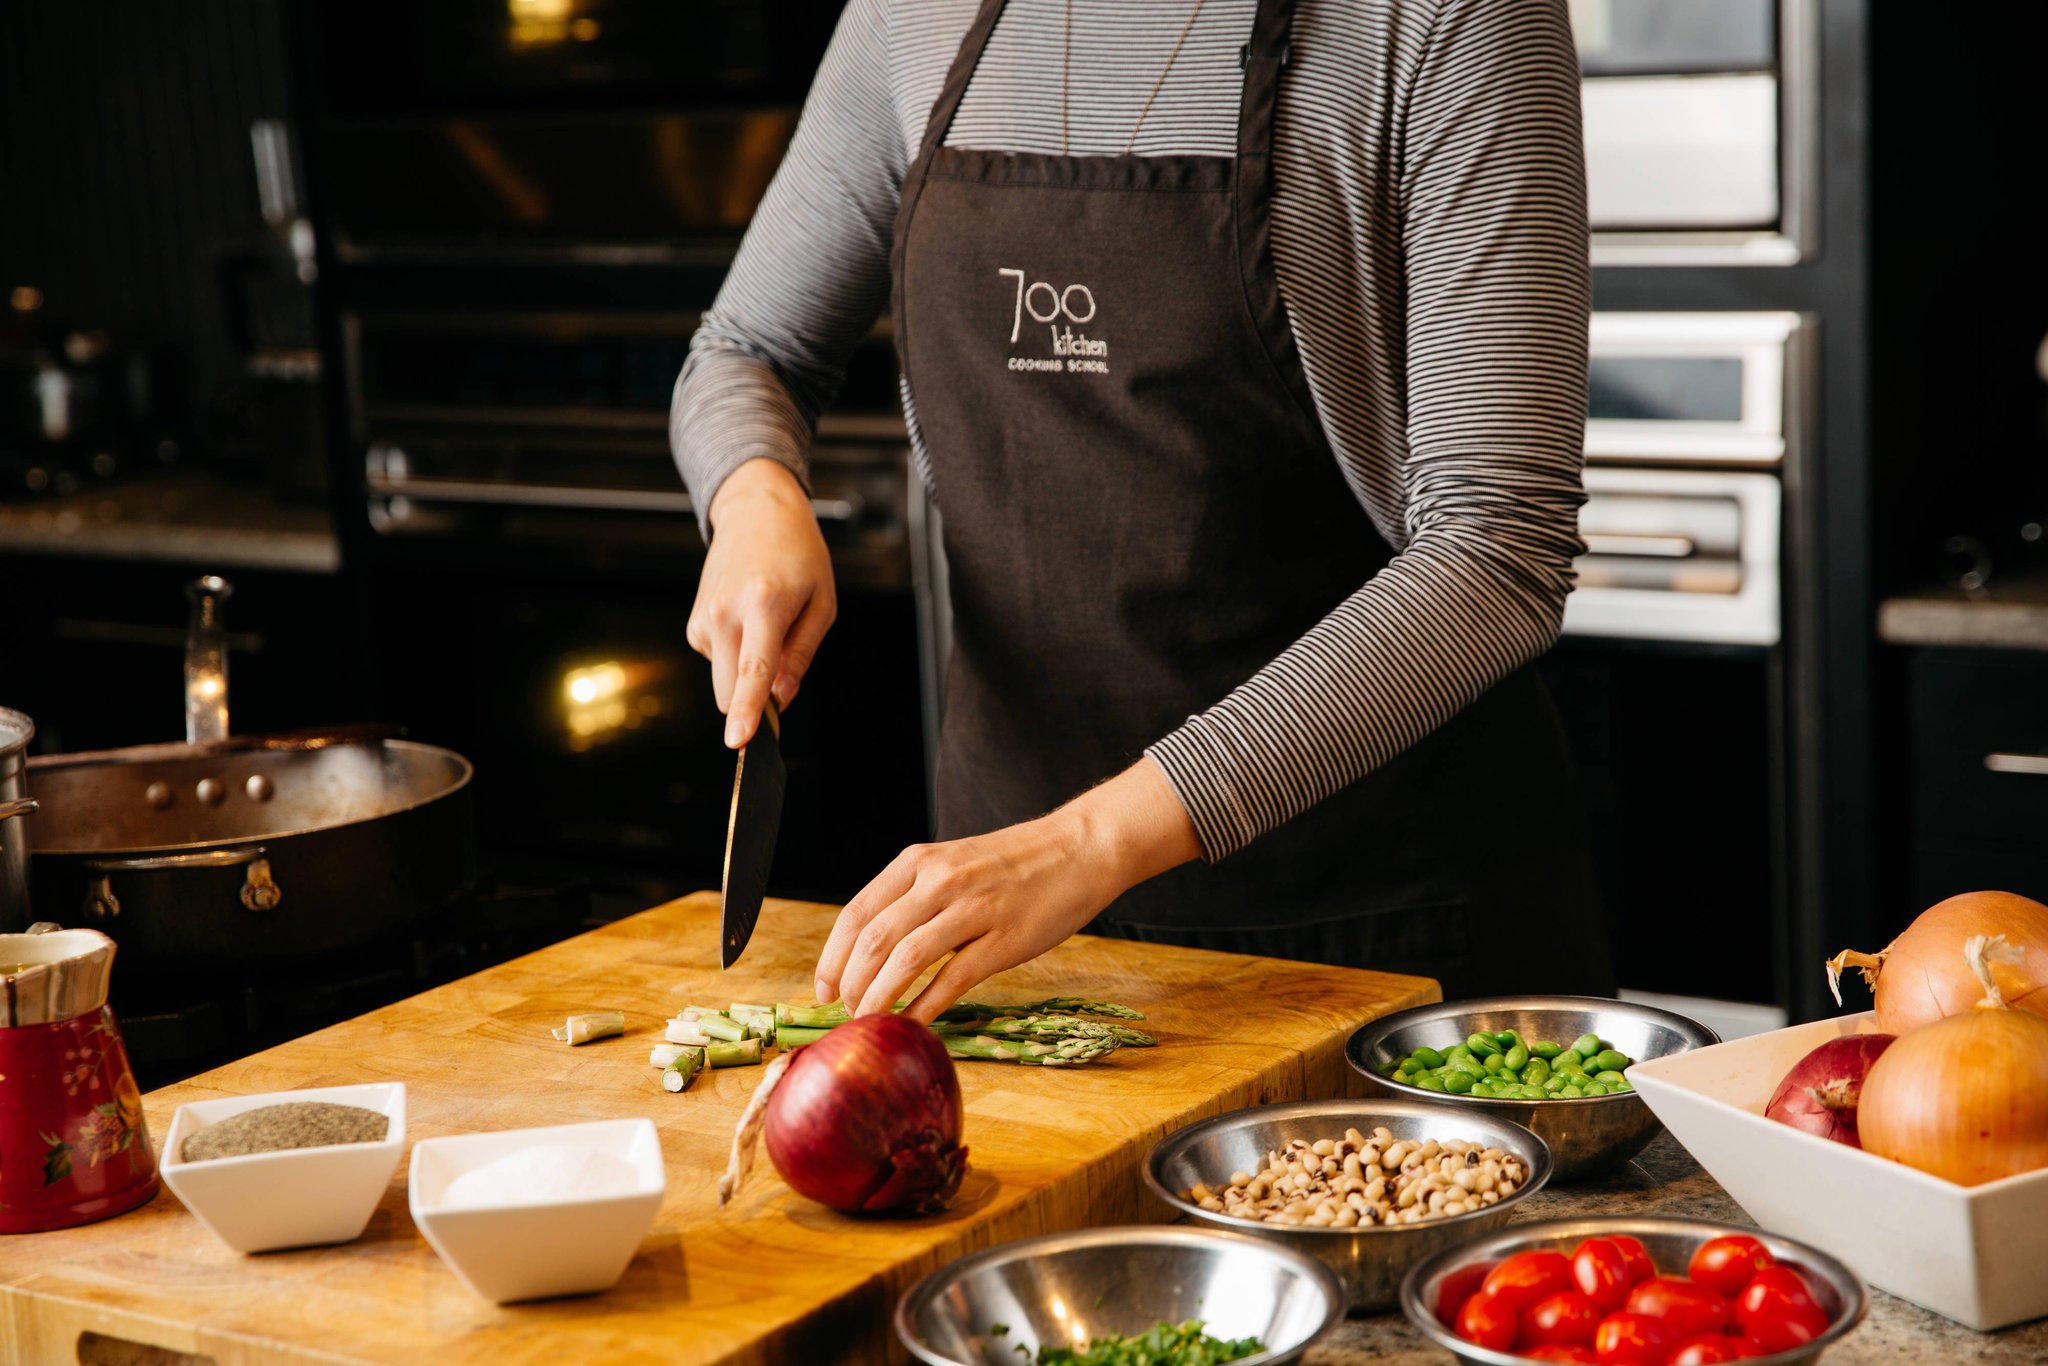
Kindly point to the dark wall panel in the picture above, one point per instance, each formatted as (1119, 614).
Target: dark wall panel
(125, 172)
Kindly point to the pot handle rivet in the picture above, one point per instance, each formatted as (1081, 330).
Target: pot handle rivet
(100, 901)
(260, 891)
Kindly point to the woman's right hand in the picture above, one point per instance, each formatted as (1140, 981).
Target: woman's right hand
(765, 599)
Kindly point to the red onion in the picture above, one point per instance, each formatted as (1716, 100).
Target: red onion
(1821, 1092)
(866, 1120)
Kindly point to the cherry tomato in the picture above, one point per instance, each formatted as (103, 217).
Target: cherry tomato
(1458, 1287)
(1725, 1265)
(1778, 1309)
(1632, 1340)
(1562, 1351)
(1487, 1320)
(1706, 1350)
(1601, 1272)
(1747, 1348)
(1567, 1316)
(1527, 1277)
(1640, 1267)
(1688, 1310)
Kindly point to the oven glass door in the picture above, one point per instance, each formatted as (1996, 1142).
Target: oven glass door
(1691, 387)
(1674, 37)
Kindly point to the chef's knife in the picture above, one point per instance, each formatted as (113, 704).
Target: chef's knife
(757, 783)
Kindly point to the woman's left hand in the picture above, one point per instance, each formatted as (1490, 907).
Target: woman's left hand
(996, 900)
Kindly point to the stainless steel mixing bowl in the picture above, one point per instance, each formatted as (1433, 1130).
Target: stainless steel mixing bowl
(1670, 1243)
(1587, 1135)
(1370, 1260)
(1065, 1289)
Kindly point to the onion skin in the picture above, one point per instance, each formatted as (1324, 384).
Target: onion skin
(1821, 1093)
(867, 1119)
(1965, 1098)
(1923, 976)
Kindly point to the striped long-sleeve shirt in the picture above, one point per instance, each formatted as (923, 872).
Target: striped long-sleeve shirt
(1429, 237)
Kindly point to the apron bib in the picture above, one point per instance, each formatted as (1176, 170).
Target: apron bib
(1141, 511)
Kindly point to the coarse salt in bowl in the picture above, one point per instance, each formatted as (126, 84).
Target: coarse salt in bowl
(527, 1213)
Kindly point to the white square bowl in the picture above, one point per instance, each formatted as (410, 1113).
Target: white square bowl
(547, 1247)
(1977, 1254)
(295, 1197)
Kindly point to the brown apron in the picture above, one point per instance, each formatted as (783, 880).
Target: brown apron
(1141, 511)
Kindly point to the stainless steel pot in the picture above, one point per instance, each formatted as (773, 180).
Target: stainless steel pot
(250, 850)
(16, 730)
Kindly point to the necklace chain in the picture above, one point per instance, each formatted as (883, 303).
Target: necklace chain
(1066, 55)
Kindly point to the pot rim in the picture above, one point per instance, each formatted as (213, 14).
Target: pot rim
(16, 730)
(464, 775)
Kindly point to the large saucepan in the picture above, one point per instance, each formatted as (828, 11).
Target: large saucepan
(251, 848)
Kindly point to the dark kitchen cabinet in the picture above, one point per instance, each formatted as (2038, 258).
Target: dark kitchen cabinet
(1975, 774)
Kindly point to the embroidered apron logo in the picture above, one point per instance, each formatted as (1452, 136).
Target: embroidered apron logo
(1058, 310)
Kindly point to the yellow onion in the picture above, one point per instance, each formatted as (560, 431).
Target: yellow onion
(1964, 1098)
(1922, 976)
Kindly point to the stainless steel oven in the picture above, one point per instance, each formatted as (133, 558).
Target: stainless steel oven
(1691, 418)
(1701, 121)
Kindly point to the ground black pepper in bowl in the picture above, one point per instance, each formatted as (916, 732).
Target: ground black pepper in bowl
(293, 1124)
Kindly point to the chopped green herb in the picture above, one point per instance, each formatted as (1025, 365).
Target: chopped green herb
(999, 1330)
(1165, 1345)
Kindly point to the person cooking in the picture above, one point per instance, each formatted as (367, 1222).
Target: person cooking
(1243, 348)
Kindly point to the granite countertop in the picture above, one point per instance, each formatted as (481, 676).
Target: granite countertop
(186, 517)
(2010, 614)
(1666, 1181)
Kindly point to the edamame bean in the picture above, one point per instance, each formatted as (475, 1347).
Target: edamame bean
(1508, 1038)
(1570, 1093)
(1427, 1057)
(1536, 1071)
(1554, 1083)
(1484, 1046)
(1544, 1048)
(1495, 1062)
(1586, 1045)
(1607, 1060)
(1594, 1088)
(1459, 1083)
(1516, 1058)
(1456, 1052)
(1622, 1085)
(1610, 1077)
(1429, 1083)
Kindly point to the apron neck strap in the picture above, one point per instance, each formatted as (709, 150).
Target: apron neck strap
(1261, 59)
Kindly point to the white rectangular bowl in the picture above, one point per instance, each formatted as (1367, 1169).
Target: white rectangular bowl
(295, 1197)
(1977, 1254)
(545, 1248)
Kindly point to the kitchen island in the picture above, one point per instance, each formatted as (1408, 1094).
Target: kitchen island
(770, 1279)
(1665, 1181)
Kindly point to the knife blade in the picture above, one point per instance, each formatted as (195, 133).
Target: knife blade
(758, 780)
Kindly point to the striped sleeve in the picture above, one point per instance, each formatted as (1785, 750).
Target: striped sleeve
(808, 281)
(1495, 294)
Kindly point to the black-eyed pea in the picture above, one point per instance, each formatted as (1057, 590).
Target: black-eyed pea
(1213, 1205)
(1323, 1147)
(1240, 1179)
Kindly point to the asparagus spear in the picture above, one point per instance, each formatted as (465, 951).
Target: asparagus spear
(794, 1036)
(718, 1027)
(811, 1017)
(1063, 1053)
(1049, 1027)
(1054, 1005)
(682, 1069)
(584, 1028)
(734, 1053)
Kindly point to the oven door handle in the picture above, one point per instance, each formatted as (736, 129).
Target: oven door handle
(479, 491)
(1628, 543)
(1999, 761)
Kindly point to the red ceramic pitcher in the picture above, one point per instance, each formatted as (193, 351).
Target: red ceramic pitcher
(72, 1144)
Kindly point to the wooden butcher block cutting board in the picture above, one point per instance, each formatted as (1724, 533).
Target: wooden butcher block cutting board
(772, 1279)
